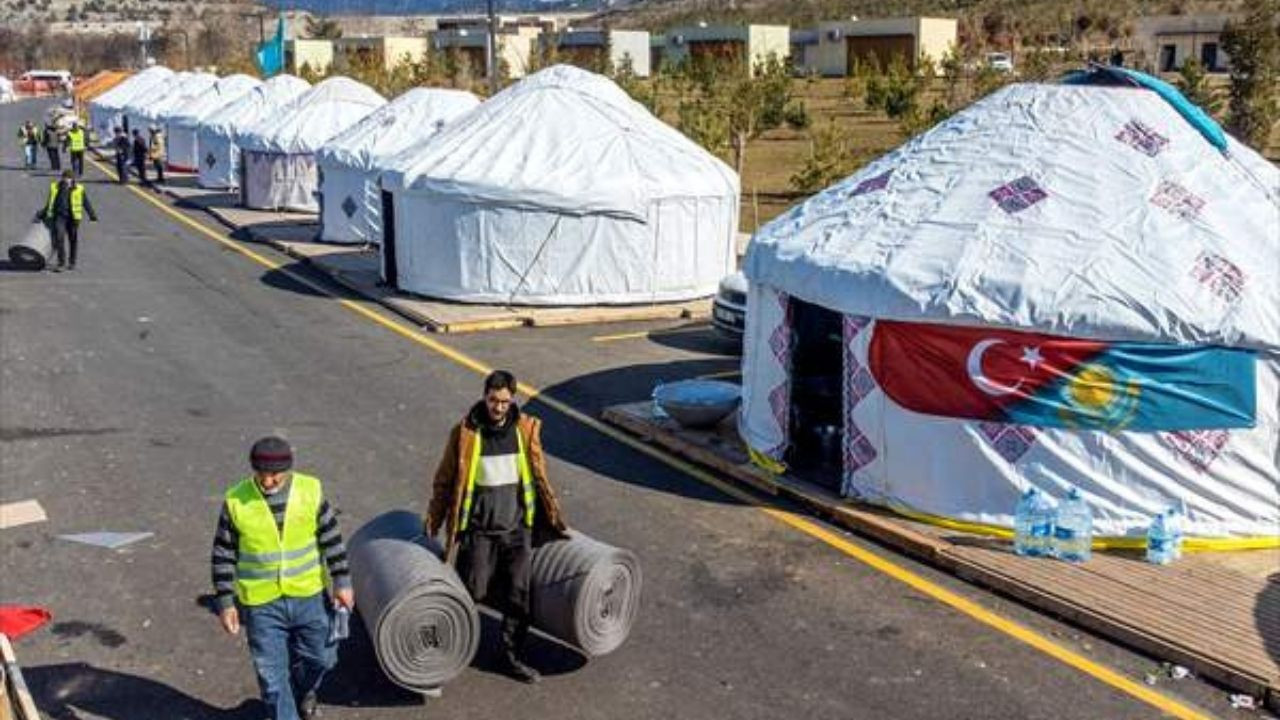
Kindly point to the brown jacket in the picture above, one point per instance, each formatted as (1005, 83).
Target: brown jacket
(450, 484)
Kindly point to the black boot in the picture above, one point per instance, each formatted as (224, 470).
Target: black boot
(515, 632)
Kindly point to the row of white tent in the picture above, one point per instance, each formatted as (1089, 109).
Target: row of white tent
(560, 190)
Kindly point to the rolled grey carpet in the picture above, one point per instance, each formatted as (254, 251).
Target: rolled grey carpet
(423, 624)
(34, 249)
(585, 593)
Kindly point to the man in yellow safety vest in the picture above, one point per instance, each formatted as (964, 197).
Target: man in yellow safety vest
(492, 496)
(276, 537)
(77, 143)
(62, 212)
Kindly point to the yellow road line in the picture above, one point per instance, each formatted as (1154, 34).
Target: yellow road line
(648, 333)
(725, 374)
(1013, 629)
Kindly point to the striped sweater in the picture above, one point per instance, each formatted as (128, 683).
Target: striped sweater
(226, 544)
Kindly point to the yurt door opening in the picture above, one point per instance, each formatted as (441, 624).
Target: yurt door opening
(390, 274)
(817, 366)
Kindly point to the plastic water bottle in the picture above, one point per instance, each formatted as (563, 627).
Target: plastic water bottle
(1073, 529)
(1033, 524)
(340, 625)
(1164, 538)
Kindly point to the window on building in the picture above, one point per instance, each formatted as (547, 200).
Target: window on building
(1168, 58)
(1209, 56)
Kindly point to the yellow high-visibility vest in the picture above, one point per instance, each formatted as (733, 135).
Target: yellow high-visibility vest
(272, 564)
(75, 140)
(77, 201)
(527, 491)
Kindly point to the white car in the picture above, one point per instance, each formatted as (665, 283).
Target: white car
(1000, 61)
(729, 309)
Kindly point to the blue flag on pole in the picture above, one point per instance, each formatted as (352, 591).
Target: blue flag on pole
(271, 52)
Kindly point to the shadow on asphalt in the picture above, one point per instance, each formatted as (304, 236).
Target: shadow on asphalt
(281, 280)
(72, 691)
(697, 337)
(564, 438)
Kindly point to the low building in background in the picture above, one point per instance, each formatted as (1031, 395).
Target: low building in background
(749, 45)
(596, 48)
(1167, 41)
(314, 53)
(804, 52)
(385, 51)
(843, 43)
(515, 46)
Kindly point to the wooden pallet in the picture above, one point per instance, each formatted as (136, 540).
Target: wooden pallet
(1217, 614)
(15, 700)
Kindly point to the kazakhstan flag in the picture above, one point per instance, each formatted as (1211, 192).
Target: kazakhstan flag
(271, 52)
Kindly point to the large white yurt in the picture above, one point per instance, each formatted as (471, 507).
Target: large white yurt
(133, 110)
(184, 122)
(158, 112)
(105, 110)
(350, 194)
(278, 161)
(216, 138)
(560, 190)
(1072, 285)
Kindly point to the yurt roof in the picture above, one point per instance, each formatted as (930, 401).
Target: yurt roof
(313, 118)
(120, 95)
(244, 112)
(567, 140)
(226, 90)
(400, 124)
(1078, 210)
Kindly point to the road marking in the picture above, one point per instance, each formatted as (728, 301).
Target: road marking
(1022, 633)
(23, 512)
(649, 333)
(715, 375)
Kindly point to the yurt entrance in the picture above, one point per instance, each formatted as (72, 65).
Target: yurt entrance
(817, 370)
(390, 271)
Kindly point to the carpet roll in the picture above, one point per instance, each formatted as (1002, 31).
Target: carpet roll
(585, 593)
(423, 624)
(35, 248)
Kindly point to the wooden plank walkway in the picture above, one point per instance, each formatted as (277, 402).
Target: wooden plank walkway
(1217, 614)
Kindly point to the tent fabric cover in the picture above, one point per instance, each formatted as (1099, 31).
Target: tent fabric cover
(561, 190)
(219, 154)
(105, 110)
(350, 163)
(420, 617)
(158, 109)
(134, 110)
(1086, 212)
(280, 168)
(184, 124)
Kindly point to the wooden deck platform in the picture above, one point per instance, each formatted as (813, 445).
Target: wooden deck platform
(1216, 613)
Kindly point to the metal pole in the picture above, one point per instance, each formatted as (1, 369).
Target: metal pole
(491, 51)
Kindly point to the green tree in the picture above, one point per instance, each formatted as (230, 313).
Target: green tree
(1193, 83)
(832, 155)
(727, 107)
(319, 26)
(1253, 44)
(896, 91)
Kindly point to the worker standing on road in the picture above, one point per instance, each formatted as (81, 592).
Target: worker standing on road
(275, 530)
(76, 145)
(63, 212)
(120, 144)
(155, 151)
(140, 156)
(52, 145)
(29, 138)
(492, 496)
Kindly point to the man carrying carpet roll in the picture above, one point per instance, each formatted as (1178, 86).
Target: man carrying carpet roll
(492, 496)
(276, 537)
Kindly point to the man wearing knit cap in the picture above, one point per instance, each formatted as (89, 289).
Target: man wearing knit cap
(275, 530)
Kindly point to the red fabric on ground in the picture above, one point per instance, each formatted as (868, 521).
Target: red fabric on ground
(18, 620)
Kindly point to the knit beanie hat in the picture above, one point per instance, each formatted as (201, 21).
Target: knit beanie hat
(271, 454)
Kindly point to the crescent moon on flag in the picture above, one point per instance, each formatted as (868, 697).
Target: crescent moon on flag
(981, 381)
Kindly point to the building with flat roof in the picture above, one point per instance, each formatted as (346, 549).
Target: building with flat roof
(388, 51)
(516, 45)
(315, 54)
(804, 51)
(843, 43)
(749, 45)
(1166, 41)
(593, 48)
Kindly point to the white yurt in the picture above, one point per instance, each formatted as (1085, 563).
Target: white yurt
(216, 138)
(278, 161)
(560, 190)
(105, 110)
(133, 110)
(350, 195)
(184, 122)
(1072, 285)
(158, 113)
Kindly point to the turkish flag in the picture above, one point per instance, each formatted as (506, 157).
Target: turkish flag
(976, 373)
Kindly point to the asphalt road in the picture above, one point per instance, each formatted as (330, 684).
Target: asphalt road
(131, 389)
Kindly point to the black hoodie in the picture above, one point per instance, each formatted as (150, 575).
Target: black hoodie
(495, 509)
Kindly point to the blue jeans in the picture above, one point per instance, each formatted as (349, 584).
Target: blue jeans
(29, 154)
(289, 641)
